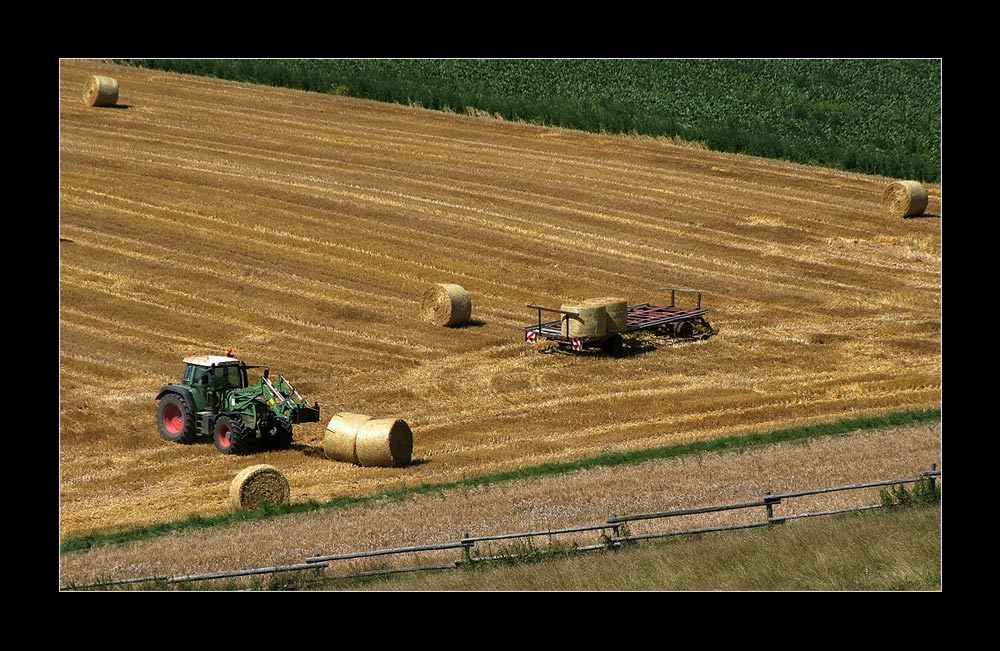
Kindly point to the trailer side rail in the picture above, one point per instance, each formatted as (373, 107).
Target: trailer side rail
(674, 290)
(644, 315)
(551, 329)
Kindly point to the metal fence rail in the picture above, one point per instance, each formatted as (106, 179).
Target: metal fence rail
(531, 534)
(796, 516)
(618, 519)
(617, 540)
(614, 541)
(384, 552)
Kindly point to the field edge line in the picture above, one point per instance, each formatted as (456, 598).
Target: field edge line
(734, 442)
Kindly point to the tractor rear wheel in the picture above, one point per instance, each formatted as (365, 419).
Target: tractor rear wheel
(175, 420)
(232, 436)
(282, 438)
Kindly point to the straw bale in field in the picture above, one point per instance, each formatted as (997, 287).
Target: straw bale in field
(446, 304)
(386, 442)
(340, 439)
(257, 485)
(100, 91)
(617, 309)
(904, 199)
(591, 322)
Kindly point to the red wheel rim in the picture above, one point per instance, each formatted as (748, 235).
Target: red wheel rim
(173, 419)
(224, 439)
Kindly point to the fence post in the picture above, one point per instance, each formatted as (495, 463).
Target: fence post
(933, 479)
(466, 553)
(615, 532)
(769, 503)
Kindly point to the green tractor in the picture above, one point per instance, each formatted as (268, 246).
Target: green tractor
(214, 398)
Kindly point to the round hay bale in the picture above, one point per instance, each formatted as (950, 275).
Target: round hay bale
(592, 322)
(386, 442)
(446, 305)
(340, 439)
(257, 485)
(100, 91)
(904, 199)
(617, 309)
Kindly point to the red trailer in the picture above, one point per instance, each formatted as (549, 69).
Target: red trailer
(670, 320)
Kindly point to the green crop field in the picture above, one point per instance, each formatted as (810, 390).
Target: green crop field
(875, 116)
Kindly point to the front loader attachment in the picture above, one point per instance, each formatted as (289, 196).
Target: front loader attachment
(304, 414)
(288, 403)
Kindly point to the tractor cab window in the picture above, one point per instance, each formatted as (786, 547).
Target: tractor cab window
(227, 377)
(224, 377)
(194, 374)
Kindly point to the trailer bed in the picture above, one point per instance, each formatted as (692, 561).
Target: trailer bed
(640, 317)
(644, 315)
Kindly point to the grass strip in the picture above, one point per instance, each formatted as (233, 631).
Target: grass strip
(736, 442)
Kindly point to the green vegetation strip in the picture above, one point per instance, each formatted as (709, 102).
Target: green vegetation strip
(612, 459)
(875, 116)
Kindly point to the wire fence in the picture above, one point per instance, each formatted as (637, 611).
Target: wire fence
(614, 533)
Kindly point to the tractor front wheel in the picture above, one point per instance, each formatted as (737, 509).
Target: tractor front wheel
(232, 436)
(282, 438)
(175, 420)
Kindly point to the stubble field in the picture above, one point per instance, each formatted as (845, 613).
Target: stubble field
(301, 230)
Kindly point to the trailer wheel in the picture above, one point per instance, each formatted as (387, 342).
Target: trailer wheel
(683, 329)
(175, 420)
(282, 439)
(232, 436)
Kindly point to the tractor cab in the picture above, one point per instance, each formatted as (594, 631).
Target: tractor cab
(215, 370)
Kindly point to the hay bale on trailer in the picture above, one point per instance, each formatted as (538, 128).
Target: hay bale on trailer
(446, 304)
(257, 485)
(100, 91)
(386, 442)
(591, 322)
(617, 309)
(340, 439)
(904, 199)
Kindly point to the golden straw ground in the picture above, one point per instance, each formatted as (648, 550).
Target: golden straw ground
(185, 231)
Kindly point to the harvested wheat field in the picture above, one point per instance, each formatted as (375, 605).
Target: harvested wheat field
(303, 229)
